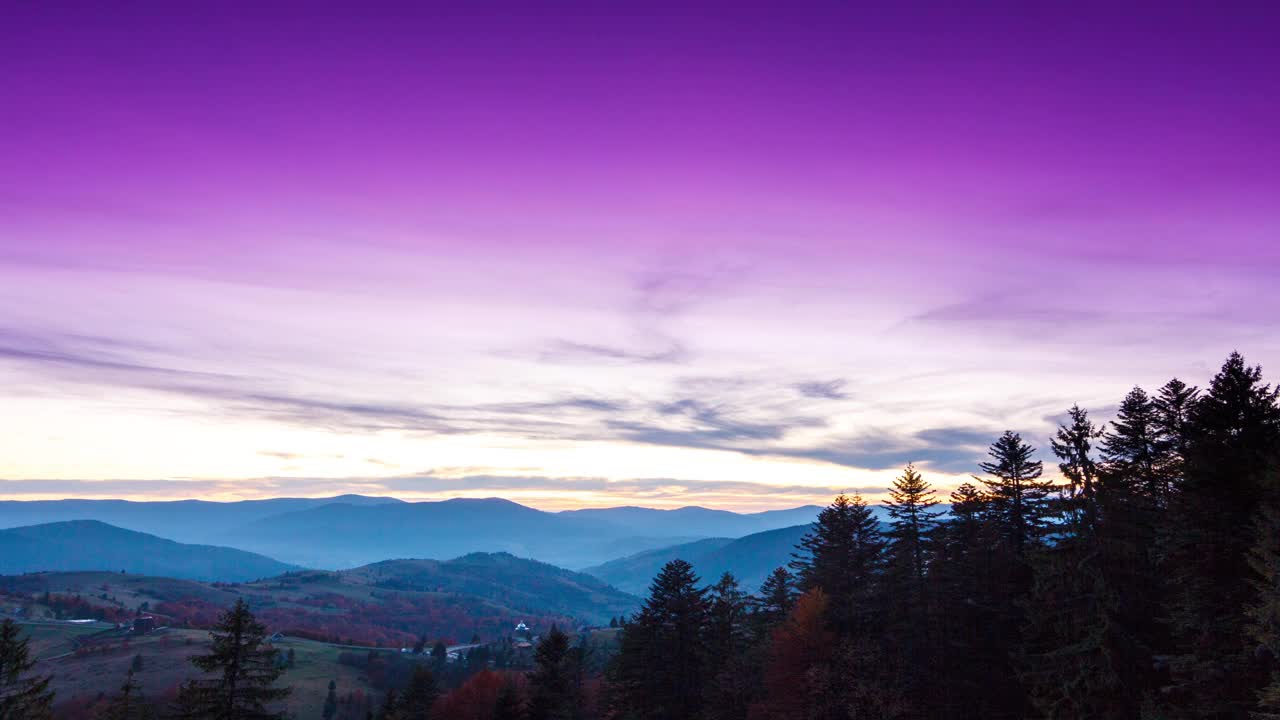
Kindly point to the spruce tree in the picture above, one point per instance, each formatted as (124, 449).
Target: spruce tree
(1073, 444)
(244, 671)
(1174, 404)
(1017, 500)
(843, 554)
(658, 672)
(552, 687)
(728, 674)
(23, 696)
(1233, 436)
(913, 524)
(419, 698)
(1078, 658)
(1134, 452)
(129, 704)
(777, 596)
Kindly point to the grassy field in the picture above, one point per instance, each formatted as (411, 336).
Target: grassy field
(166, 663)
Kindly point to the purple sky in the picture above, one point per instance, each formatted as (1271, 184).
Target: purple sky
(593, 254)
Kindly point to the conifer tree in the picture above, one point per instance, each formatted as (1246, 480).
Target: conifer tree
(658, 672)
(23, 696)
(1073, 444)
(419, 698)
(129, 704)
(843, 554)
(728, 671)
(1174, 404)
(777, 596)
(912, 523)
(1134, 452)
(245, 671)
(552, 688)
(1078, 657)
(1017, 500)
(1233, 436)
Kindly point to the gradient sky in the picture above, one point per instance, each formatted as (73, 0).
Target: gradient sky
(735, 255)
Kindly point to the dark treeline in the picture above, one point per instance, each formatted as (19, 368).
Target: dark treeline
(1144, 583)
(1141, 581)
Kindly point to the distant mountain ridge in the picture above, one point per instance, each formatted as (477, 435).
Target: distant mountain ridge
(92, 545)
(510, 581)
(181, 520)
(353, 530)
(750, 558)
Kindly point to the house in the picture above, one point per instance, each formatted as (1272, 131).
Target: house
(143, 625)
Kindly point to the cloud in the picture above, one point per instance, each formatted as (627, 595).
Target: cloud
(559, 350)
(823, 390)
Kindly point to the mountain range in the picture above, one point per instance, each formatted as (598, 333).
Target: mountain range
(93, 545)
(353, 530)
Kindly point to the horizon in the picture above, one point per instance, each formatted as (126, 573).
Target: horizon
(740, 259)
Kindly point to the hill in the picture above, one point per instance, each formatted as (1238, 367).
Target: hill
(707, 523)
(389, 603)
(508, 580)
(93, 545)
(750, 559)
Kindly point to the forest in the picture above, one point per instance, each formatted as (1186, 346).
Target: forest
(1141, 580)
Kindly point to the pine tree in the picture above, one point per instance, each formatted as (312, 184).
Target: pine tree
(913, 524)
(419, 698)
(1077, 657)
(1174, 405)
(22, 696)
(552, 687)
(1134, 450)
(777, 597)
(1016, 499)
(843, 554)
(1233, 435)
(1073, 444)
(727, 670)
(330, 702)
(129, 704)
(244, 670)
(658, 672)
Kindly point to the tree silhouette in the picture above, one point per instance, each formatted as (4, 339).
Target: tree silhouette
(245, 671)
(22, 695)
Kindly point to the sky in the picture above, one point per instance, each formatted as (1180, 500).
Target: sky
(584, 254)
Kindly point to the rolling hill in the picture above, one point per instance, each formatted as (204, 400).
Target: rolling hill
(93, 545)
(749, 558)
(513, 582)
